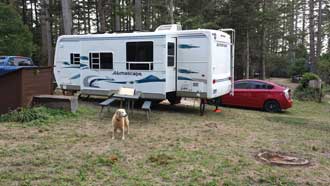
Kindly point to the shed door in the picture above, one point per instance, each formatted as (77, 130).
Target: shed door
(171, 64)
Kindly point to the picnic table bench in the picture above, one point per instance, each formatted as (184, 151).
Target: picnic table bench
(128, 99)
(106, 103)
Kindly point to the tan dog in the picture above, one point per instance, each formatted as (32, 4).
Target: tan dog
(120, 121)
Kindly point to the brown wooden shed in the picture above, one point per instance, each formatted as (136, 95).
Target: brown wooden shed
(18, 88)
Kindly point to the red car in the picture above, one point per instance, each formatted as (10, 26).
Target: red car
(259, 95)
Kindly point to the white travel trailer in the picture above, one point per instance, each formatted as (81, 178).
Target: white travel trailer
(166, 64)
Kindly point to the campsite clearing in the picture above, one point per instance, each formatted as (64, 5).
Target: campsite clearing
(176, 147)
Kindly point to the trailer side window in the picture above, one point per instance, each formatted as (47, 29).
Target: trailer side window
(75, 59)
(101, 60)
(139, 55)
(170, 54)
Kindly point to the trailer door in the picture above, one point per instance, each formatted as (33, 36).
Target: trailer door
(171, 64)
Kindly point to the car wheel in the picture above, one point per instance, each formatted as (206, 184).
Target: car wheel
(272, 106)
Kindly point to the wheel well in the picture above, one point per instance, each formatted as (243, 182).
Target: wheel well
(272, 100)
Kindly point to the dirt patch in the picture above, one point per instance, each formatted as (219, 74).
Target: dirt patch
(211, 125)
(284, 82)
(281, 159)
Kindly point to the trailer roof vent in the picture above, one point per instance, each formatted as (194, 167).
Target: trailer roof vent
(172, 27)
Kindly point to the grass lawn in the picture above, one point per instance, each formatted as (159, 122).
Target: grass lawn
(176, 147)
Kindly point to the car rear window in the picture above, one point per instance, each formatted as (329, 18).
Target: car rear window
(241, 85)
(260, 85)
(19, 61)
(252, 85)
(2, 60)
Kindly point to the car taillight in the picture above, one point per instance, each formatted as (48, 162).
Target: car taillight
(214, 81)
(287, 93)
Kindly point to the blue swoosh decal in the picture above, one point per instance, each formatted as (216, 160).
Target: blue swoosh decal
(91, 84)
(184, 78)
(186, 46)
(185, 71)
(150, 79)
(75, 76)
(120, 82)
(84, 58)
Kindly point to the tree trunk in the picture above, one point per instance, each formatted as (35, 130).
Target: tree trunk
(247, 55)
(24, 16)
(31, 15)
(291, 32)
(319, 33)
(263, 53)
(46, 37)
(84, 15)
(147, 13)
(283, 39)
(303, 34)
(137, 15)
(312, 59)
(67, 16)
(171, 11)
(36, 12)
(89, 17)
(263, 46)
(101, 15)
(329, 43)
(117, 16)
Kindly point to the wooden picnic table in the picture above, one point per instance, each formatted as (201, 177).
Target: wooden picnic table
(129, 99)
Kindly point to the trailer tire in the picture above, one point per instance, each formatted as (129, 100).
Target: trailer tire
(174, 100)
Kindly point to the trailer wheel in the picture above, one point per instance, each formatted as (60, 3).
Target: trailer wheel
(175, 100)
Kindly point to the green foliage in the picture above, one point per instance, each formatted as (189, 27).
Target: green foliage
(35, 116)
(280, 65)
(304, 92)
(298, 67)
(308, 77)
(301, 52)
(16, 39)
(323, 68)
(277, 63)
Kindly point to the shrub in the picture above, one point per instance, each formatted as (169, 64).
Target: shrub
(306, 78)
(323, 68)
(35, 115)
(306, 93)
